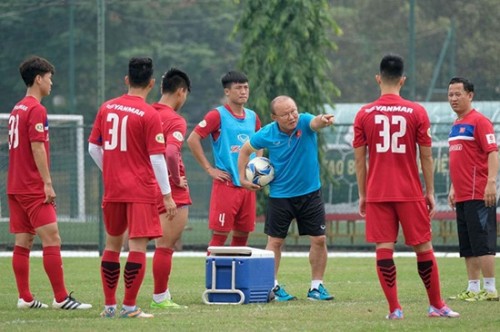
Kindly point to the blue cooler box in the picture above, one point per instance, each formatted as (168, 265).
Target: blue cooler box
(238, 275)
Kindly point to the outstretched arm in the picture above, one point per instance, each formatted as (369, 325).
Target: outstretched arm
(321, 121)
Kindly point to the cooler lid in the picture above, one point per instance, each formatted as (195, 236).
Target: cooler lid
(239, 251)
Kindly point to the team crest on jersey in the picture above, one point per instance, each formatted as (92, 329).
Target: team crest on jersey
(243, 138)
(160, 139)
(39, 127)
(490, 138)
(178, 136)
(202, 124)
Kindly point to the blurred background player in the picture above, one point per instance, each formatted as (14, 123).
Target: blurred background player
(175, 87)
(232, 207)
(473, 172)
(295, 191)
(30, 192)
(390, 129)
(127, 144)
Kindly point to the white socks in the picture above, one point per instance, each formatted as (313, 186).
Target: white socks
(474, 286)
(489, 285)
(162, 297)
(315, 284)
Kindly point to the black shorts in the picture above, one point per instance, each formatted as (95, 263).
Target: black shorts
(308, 210)
(477, 228)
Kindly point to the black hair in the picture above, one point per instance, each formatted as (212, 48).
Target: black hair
(468, 86)
(233, 77)
(34, 66)
(392, 67)
(175, 79)
(140, 72)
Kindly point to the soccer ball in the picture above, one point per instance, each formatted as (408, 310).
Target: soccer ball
(259, 171)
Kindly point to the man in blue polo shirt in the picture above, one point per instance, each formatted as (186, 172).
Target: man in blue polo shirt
(292, 144)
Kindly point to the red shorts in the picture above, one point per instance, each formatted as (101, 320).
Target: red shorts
(383, 219)
(141, 219)
(231, 208)
(180, 196)
(28, 212)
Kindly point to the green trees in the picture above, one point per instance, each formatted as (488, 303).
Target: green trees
(284, 51)
(285, 47)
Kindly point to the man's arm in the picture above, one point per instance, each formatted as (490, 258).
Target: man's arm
(161, 174)
(95, 152)
(321, 121)
(490, 192)
(360, 163)
(42, 164)
(428, 171)
(243, 158)
(194, 143)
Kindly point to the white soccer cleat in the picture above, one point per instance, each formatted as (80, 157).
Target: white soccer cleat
(35, 304)
(70, 303)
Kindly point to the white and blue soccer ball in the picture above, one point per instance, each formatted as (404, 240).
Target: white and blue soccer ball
(260, 171)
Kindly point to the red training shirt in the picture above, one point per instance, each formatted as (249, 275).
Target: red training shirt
(470, 141)
(129, 130)
(27, 123)
(391, 128)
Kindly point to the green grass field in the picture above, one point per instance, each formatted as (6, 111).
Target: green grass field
(359, 304)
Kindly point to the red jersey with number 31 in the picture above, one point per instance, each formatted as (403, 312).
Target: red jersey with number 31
(27, 123)
(129, 131)
(391, 128)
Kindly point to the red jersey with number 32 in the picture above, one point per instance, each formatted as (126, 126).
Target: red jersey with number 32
(27, 123)
(391, 128)
(129, 131)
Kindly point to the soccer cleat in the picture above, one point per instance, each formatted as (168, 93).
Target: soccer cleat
(464, 295)
(484, 295)
(35, 304)
(281, 295)
(70, 303)
(108, 312)
(396, 314)
(167, 304)
(445, 311)
(320, 294)
(137, 313)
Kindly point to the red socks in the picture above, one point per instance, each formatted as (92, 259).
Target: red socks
(429, 273)
(52, 263)
(162, 265)
(110, 274)
(133, 275)
(21, 267)
(217, 240)
(386, 271)
(239, 241)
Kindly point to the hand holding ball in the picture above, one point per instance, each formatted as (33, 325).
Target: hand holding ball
(260, 171)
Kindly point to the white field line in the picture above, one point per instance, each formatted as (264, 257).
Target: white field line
(68, 253)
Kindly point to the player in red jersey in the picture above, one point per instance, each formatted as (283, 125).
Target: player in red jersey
(232, 207)
(473, 173)
(175, 87)
(127, 144)
(29, 188)
(390, 129)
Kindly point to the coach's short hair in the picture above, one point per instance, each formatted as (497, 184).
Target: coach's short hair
(468, 86)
